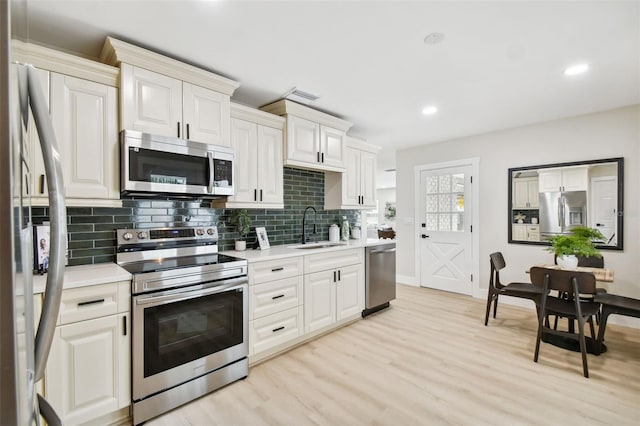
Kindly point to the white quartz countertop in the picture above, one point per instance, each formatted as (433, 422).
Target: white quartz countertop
(290, 250)
(85, 275)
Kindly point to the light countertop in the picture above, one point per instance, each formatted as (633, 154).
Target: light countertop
(289, 250)
(85, 275)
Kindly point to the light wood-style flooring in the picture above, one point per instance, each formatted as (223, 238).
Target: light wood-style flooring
(429, 360)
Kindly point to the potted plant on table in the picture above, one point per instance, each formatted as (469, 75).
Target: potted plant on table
(241, 220)
(581, 242)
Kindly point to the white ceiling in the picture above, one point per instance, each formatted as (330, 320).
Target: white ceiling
(500, 64)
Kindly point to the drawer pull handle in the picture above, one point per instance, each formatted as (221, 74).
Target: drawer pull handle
(124, 326)
(277, 297)
(91, 302)
(278, 329)
(278, 269)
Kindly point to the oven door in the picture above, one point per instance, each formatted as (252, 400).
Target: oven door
(156, 164)
(181, 334)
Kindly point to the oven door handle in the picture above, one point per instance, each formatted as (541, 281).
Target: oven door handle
(211, 171)
(186, 294)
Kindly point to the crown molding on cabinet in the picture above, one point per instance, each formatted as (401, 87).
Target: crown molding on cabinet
(64, 63)
(116, 51)
(361, 144)
(253, 115)
(284, 106)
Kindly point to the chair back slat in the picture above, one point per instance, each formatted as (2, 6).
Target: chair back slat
(562, 280)
(497, 260)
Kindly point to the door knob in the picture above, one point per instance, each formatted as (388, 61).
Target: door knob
(424, 236)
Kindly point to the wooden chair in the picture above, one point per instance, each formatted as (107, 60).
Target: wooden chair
(515, 289)
(589, 262)
(570, 285)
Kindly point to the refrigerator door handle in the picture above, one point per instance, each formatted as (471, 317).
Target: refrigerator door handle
(560, 212)
(58, 218)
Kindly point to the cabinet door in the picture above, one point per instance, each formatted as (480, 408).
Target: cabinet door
(84, 116)
(319, 300)
(37, 186)
(351, 178)
(519, 232)
(521, 194)
(350, 292)
(532, 190)
(575, 179)
(151, 102)
(332, 146)
(88, 372)
(269, 165)
(368, 167)
(549, 181)
(206, 115)
(244, 135)
(303, 140)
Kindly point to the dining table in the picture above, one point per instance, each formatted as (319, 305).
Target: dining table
(594, 345)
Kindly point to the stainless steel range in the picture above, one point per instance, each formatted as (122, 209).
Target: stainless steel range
(189, 313)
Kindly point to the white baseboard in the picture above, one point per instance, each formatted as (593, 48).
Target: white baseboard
(408, 280)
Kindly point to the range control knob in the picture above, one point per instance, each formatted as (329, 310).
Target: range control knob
(210, 231)
(199, 231)
(142, 235)
(127, 236)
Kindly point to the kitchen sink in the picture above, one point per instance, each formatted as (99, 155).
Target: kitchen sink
(311, 246)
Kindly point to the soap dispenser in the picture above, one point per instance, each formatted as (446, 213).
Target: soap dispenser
(344, 229)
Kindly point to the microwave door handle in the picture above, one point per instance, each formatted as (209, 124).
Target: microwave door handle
(211, 174)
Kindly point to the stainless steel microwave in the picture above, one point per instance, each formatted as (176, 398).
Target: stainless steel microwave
(161, 165)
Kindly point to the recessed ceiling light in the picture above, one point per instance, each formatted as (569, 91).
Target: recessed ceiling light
(429, 110)
(576, 69)
(433, 38)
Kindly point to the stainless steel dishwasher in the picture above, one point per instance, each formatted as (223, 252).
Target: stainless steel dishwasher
(380, 277)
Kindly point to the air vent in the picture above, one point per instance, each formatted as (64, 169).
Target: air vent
(300, 96)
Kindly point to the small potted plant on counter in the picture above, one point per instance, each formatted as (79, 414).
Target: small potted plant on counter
(581, 242)
(241, 220)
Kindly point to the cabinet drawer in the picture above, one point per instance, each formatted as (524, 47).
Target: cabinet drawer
(276, 296)
(331, 260)
(272, 330)
(82, 303)
(271, 270)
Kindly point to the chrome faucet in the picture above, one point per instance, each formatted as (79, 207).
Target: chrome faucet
(304, 223)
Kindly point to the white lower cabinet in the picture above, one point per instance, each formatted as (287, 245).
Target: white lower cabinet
(88, 371)
(335, 293)
(275, 304)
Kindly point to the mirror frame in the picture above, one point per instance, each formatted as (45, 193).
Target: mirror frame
(620, 207)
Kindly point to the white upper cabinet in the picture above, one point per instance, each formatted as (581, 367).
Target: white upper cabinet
(313, 140)
(151, 102)
(256, 138)
(525, 193)
(157, 104)
(356, 187)
(565, 179)
(84, 116)
(82, 98)
(163, 96)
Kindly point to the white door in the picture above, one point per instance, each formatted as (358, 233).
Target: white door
(206, 115)
(604, 196)
(84, 116)
(445, 224)
(243, 141)
(349, 291)
(368, 166)
(303, 140)
(331, 147)
(319, 300)
(351, 178)
(151, 102)
(269, 165)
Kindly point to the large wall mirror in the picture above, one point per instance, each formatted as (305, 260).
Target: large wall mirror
(552, 199)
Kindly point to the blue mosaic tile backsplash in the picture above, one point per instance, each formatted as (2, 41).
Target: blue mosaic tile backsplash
(91, 230)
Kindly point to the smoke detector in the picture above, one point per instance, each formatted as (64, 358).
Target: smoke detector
(433, 38)
(300, 96)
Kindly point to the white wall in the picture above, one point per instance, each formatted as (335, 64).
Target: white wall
(614, 133)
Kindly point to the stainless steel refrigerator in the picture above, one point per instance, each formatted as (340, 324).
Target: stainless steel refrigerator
(562, 211)
(24, 353)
